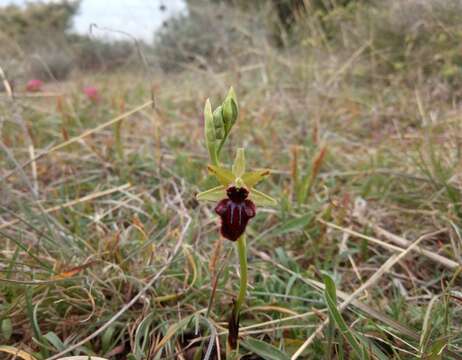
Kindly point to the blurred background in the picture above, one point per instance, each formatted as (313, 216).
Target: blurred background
(51, 40)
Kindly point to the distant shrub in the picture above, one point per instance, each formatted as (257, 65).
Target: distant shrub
(38, 34)
(424, 32)
(94, 54)
(284, 15)
(211, 35)
(407, 37)
(37, 20)
(53, 64)
(214, 32)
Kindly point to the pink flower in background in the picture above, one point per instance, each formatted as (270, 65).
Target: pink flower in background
(91, 93)
(34, 85)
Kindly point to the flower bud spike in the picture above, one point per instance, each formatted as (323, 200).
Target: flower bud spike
(236, 198)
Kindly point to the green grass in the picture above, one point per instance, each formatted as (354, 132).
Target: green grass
(123, 213)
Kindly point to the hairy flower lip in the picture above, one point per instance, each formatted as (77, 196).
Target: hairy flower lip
(235, 212)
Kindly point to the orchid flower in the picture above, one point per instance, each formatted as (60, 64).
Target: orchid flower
(237, 198)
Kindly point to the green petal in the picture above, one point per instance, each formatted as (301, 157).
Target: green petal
(225, 177)
(252, 178)
(214, 194)
(261, 199)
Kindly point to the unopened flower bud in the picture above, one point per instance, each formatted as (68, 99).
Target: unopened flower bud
(219, 123)
(230, 110)
(210, 136)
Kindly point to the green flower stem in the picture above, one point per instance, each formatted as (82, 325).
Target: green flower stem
(213, 155)
(242, 251)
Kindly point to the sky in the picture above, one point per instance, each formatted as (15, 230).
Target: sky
(139, 18)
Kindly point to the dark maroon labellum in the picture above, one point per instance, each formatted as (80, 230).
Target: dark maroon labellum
(235, 212)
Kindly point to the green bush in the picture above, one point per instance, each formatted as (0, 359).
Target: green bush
(412, 37)
(40, 20)
(51, 64)
(38, 34)
(284, 15)
(415, 32)
(209, 36)
(94, 54)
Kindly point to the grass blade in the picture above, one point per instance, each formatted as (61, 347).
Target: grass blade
(263, 349)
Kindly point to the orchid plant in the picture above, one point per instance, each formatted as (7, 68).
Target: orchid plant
(236, 198)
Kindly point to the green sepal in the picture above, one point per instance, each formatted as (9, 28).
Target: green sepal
(250, 179)
(214, 194)
(261, 199)
(224, 176)
(239, 163)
